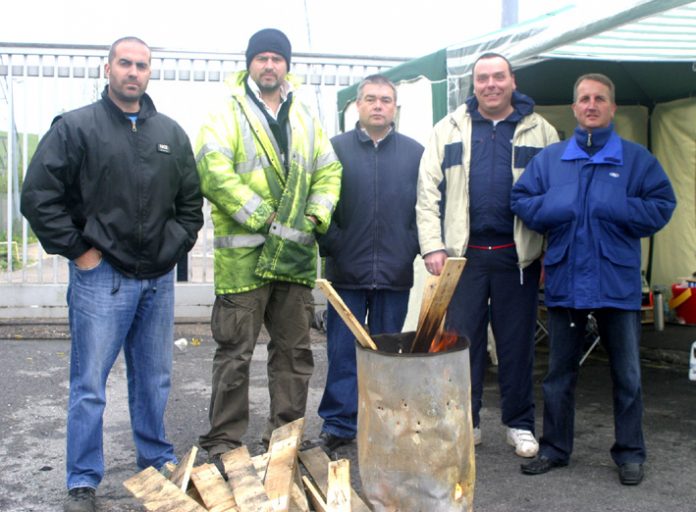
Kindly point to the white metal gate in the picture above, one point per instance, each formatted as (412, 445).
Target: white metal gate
(37, 82)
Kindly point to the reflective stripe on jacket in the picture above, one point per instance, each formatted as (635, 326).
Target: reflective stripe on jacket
(243, 177)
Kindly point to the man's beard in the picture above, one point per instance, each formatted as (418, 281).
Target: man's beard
(269, 87)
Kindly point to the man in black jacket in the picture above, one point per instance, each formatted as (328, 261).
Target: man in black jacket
(113, 188)
(370, 245)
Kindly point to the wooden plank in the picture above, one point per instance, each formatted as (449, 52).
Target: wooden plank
(344, 312)
(442, 296)
(246, 485)
(280, 473)
(216, 493)
(158, 494)
(338, 492)
(193, 493)
(298, 498)
(260, 463)
(316, 462)
(314, 495)
(428, 292)
(182, 474)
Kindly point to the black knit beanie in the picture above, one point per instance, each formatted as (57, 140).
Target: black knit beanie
(268, 40)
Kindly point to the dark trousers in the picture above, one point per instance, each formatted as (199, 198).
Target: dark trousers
(494, 275)
(286, 310)
(384, 311)
(619, 333)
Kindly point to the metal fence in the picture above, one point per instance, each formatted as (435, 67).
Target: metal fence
(37, 82)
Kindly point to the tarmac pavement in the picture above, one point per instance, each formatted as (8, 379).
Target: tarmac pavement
(33, 400)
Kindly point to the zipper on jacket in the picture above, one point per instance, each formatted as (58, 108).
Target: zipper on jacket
(374, 218)
(134, 126)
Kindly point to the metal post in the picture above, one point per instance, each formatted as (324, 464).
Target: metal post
(10, 165)
(509, 13)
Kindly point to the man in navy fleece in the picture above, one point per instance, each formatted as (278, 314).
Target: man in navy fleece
(370, 245)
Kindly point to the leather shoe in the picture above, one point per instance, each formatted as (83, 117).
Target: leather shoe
(631, 473)
(541, 465)
(331, 442)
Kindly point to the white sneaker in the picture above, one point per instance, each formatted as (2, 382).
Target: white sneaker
(523, 441)
(477, 436)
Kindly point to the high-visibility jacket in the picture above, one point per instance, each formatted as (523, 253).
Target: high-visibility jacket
(243, 177)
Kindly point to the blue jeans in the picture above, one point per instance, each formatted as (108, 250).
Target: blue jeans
(385, 311)
(619, 333)
(109, 312)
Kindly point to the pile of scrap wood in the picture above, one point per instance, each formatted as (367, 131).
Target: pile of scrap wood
(273, 481)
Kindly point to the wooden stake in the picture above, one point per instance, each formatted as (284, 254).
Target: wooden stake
(428, 293)
(181, 475)
(316, 462)
(158, 494)
(338, 492)
(344, 312)
(215, 492)
(314, 495)
(280, 473)
(246, 486)
(446, 284)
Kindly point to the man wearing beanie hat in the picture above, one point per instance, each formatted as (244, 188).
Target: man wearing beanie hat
(269, 40)
(273, 180)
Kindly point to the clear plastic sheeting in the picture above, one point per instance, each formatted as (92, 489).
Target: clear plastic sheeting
(415, 436)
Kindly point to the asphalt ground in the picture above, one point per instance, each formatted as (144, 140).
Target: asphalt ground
(33, 400)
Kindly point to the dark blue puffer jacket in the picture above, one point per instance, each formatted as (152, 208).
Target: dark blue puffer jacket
(372, 240)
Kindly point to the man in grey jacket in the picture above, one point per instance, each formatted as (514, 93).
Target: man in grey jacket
(469, 166)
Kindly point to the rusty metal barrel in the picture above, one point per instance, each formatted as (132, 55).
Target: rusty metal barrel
(415, 436)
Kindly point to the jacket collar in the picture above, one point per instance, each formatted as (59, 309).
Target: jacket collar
(522, 105)
(147, 106)
(610, 154)
(363, 136)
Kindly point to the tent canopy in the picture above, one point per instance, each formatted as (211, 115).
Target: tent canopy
(648, 47)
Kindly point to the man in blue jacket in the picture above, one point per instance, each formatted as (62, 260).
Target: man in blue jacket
(595, 196)
(370, 245)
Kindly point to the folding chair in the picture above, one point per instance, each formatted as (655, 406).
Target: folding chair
(591, 332)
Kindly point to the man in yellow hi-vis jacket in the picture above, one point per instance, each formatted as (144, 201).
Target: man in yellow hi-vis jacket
(273, 180)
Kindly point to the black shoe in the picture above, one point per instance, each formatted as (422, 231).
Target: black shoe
(217, 460)
(541, 465)
(80, 499)
(631, 473)
(331, 442)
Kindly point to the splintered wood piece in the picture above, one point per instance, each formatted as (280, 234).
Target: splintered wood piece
(216, 493)
(260, 463)
(158, 494)
(314, 495)
(446, 284)
(246, 485)
(298, 498)
(316, 462)
(181, 475)
(280, 473)
(428, 292)
(193, 493)
(338, 492)
(345, 313)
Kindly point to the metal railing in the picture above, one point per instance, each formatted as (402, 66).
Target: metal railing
(39, 81)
